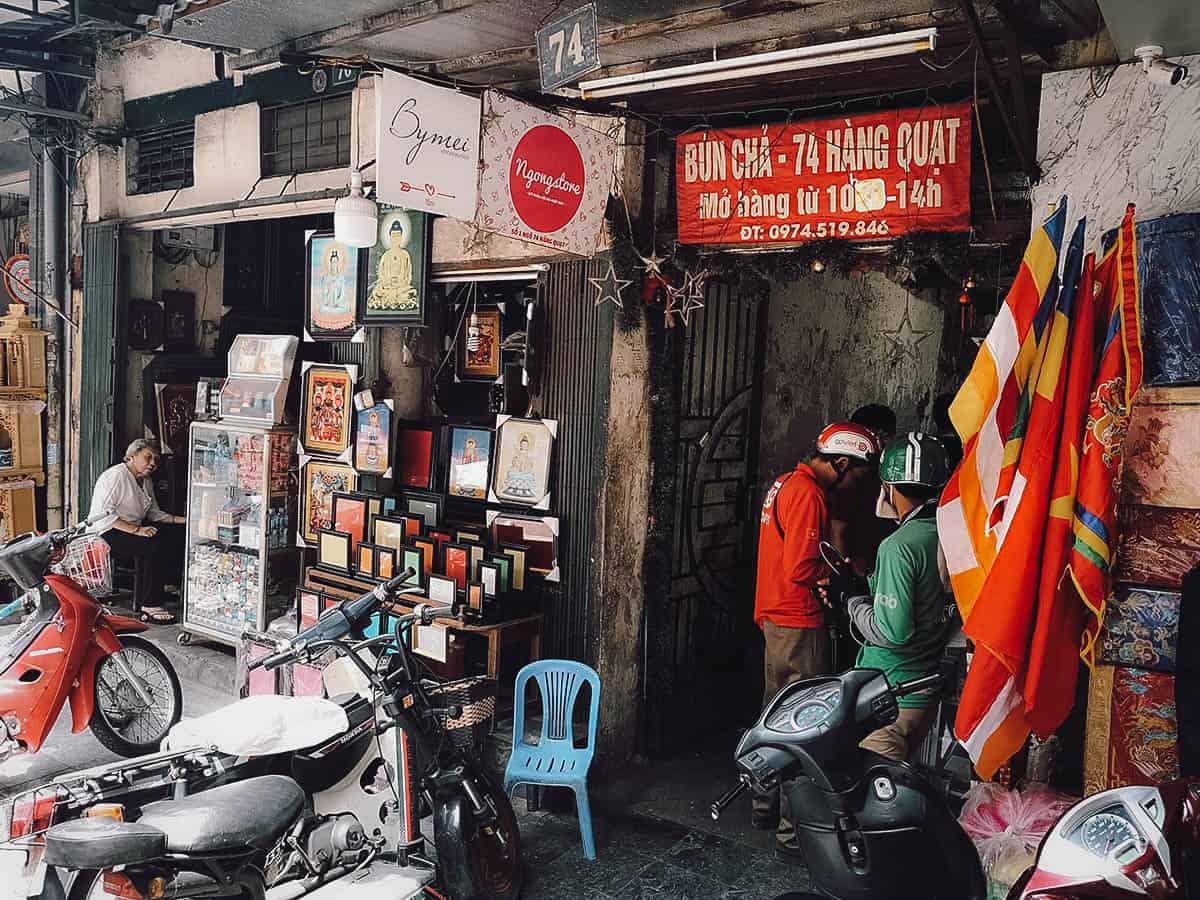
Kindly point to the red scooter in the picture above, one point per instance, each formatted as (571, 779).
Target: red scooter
(71, 647)
(1137, 841)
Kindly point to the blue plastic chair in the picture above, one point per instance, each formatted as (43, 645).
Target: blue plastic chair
(555, 761)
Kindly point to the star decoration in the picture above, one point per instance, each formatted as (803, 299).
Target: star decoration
(490, 117)
(906, 338)
(692, 295)
(652, 263)
(609, 287)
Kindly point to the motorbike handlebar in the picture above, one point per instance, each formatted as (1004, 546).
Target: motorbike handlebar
(729, 796)
(917, 684)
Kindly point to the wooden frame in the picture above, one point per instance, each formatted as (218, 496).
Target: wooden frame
(319, 481)
(524, 455)
(327, 409)
(333, 280)
(396, 278)
(486, 327)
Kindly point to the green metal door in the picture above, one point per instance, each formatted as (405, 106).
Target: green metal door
(97, 358)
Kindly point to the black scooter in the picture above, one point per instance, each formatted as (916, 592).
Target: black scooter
(870, 828)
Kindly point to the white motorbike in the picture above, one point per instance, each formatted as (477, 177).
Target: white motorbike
(278, 797)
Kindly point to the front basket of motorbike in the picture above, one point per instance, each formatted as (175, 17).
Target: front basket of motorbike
(88, 562)
(477, 697)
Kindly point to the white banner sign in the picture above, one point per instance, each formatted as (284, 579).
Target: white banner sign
(545, 179)
(428, 148)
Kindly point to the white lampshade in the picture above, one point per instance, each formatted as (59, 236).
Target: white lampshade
(356, 218)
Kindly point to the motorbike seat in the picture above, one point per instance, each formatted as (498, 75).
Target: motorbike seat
(99, 843)
(250, 813)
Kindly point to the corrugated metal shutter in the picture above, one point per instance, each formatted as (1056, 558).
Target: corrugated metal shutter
(575, 392)
(97, 356)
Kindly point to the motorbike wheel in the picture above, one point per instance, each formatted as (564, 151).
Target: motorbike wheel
(477, 862)
(121, 720)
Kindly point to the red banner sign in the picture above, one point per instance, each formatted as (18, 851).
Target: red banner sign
(862, 177)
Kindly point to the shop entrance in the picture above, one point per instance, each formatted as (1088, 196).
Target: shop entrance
(703, 658)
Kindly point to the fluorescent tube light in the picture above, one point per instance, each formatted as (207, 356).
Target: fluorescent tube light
(741, 67)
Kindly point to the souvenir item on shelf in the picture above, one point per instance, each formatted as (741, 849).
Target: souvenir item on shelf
(410, 558)
(385, 563)
(478, 355)
(319, 481)
(1162, 449)
(238, 565)
(442, 590)
(539, 534)
(332, 281)
(414, 525)
(521, 473)
(396, 270)
(503, 565)
(1141, 628)
(260, 370)
(421, 503)
(488, 575)
(415, 449)
(179, 321)
(350, 516)
(365, 563)
(372, 439)
(145, 325)
(1132, 731)
(389, 532)
(470, 455)
(308, 608)
(428, 550)
(176, 411)
(1158, 545)
(328, 401)
(518, 555)
(456, 560)
(334, 549)
(474, 605)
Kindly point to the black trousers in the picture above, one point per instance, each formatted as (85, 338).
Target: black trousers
(161, 558)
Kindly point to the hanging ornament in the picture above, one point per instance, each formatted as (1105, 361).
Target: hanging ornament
(652, 263)
(818, 266)
(692, 296)
(609, 287)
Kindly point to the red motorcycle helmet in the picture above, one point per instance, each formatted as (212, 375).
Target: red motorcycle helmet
(848, 439)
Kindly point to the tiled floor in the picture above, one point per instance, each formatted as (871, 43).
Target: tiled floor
(642, 857)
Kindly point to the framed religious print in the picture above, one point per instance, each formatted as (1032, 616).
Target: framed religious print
(350, 517)
(415, 452)
(424, 504)
(333, 551)
(539, 534)
(396, 270)
(319, 481)
(477, 354)
(456, 561)
(521, 473)
(442, 591)
(373, 440)
(327, 409)
(470, 456)
(332, 282)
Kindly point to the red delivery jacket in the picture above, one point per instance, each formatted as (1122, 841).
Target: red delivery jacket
(793, 523)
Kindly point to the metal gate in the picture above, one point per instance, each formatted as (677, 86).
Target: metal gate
(97, 357)
(703, 660)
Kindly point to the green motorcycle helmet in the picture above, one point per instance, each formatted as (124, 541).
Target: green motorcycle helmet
(916, 459)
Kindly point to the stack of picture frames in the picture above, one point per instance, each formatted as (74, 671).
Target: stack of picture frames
(326, 464)
(1131, 720)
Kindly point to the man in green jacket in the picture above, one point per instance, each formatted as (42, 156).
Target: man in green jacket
(903, 622)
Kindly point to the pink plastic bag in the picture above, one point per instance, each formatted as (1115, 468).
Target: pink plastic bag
(1006, 825)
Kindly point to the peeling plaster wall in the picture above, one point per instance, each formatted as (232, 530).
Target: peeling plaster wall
(1134, 144)
(834, 344)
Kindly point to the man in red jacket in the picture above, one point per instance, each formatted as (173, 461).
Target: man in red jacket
(793, 523)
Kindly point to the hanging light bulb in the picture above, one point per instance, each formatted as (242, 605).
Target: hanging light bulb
(970, 285)
(818, 266)
(356, 217)
(473, 326)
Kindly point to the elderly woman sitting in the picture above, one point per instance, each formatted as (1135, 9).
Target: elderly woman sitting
(126, 514)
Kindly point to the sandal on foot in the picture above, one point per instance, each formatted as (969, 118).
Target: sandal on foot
(156, 615)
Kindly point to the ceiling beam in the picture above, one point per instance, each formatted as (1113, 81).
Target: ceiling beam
(67, 48)
(30, 109)
(351, 32)
(24, 63)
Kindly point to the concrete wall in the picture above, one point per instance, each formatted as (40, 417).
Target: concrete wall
(1136, 143)
(834, 344)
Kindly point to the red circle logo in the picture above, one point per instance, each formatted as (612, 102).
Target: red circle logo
(545, 178)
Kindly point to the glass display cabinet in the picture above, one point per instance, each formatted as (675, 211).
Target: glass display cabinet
(240, 568)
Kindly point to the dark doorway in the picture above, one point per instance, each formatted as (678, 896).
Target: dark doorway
(703, 653)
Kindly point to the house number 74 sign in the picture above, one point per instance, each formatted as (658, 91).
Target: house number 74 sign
(567, 47)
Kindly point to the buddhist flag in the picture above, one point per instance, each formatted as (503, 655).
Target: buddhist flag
(985, 412)
(1118, 378)
(991, 714)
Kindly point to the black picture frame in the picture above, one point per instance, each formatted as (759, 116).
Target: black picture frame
(468, 433)
(179, 321)
(427, 501)
(381, 553)
(326, 538)
(410, 468)
(317, 246)
(439, 583)
(402, 563)
(488, 320)
(493, 576)
(420, 259)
